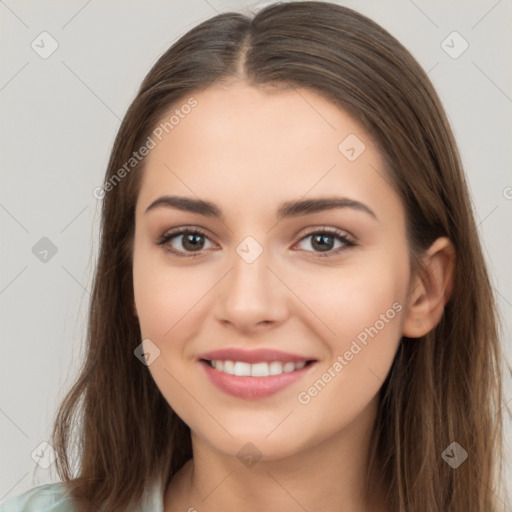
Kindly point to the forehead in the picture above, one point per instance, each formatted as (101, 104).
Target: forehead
(258, 145)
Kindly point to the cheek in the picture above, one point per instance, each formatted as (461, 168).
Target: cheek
(349, 300)
(366, 318)
(163, 294)
(363, 308)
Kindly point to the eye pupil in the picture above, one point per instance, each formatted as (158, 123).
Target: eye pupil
(191, 239)
(323, 246)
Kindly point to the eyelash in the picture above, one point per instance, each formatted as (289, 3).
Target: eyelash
(167, 237)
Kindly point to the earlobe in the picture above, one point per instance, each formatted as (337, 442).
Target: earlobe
(431, 290)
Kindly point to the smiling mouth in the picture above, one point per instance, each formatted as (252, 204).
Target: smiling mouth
(260, 369)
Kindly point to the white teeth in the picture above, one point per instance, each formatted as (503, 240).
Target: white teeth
(228, 367)
(263, 369)
(275, 368)
(259, 370)
(242, 369)
(288, 367)
(218, 365)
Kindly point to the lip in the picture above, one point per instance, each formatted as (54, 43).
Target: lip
(253, 388)
(260, 355)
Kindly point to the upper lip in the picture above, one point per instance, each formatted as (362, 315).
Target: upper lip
(253, 356)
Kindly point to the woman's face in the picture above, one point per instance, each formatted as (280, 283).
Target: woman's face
(305, 296)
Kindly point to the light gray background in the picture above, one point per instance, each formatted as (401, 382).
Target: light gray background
(59, 118)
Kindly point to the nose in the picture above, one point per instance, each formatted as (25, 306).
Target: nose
(252, 296)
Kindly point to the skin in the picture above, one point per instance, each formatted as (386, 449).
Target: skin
(248, 150)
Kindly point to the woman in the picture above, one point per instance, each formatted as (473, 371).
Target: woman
(291, 310)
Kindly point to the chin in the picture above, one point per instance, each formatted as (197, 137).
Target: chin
(247, 443)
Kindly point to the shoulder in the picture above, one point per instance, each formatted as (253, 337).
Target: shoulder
(44, 498)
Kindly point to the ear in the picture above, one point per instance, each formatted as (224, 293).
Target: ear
(429, 292)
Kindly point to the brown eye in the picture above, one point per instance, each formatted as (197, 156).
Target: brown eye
(183, 241)
(324, 241)
(192, 241)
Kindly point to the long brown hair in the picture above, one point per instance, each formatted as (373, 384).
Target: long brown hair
(442, 388)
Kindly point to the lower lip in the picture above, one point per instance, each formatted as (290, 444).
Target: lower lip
(252, 388)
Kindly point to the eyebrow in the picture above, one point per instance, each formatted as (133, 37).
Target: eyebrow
(287, 209)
